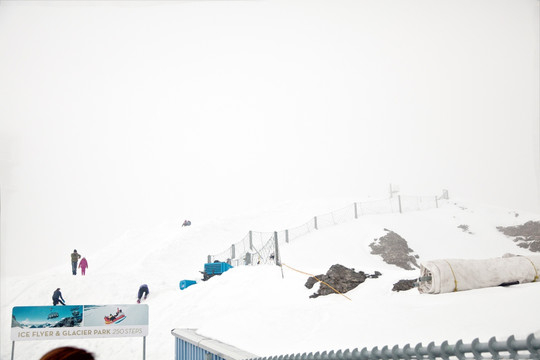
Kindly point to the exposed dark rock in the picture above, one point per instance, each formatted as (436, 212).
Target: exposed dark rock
(395, 251)
(465, 228)
(312, 281)
(374, 276)
(525, 236)
(339, 277)
(404, 285)
(530, 228)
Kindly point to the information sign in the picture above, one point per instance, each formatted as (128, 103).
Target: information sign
(78, 322)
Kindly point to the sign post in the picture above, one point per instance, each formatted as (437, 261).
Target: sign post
(78, 322)
(144, 347)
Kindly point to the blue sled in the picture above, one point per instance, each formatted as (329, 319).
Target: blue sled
(186, 283)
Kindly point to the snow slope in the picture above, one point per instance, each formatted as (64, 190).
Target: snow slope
(267, 310)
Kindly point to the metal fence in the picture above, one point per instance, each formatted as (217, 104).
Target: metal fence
(190, 346)
(510, 348)
(257, 247)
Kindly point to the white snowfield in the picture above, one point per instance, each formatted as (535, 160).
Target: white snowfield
(266, 310)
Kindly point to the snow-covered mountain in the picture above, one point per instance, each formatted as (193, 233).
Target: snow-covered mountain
(266, 310)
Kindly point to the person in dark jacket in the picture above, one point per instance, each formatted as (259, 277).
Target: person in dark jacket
(143, 293)
(68, 353)
(57, 298)
(75, 256)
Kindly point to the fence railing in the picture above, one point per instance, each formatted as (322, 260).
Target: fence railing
(493, 349)
(257, 247)
(528, 348)
(191, 346)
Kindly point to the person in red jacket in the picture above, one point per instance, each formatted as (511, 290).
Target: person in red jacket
(83, 265)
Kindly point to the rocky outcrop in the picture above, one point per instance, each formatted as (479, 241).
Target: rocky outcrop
(339, 277)
(394, 250)
(404, 285)
(465, 228)
(526, 236)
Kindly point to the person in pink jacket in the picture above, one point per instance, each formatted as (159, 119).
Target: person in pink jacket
(83, 264)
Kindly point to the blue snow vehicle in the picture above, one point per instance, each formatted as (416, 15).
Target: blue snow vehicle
(215, 268)
(210, 269)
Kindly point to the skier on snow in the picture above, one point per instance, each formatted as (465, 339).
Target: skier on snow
(143, 291)
(57, 298)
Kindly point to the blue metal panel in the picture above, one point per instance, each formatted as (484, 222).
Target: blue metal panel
(187, 351)
(216, 268)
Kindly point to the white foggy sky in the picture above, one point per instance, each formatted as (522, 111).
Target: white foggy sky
(116, 115)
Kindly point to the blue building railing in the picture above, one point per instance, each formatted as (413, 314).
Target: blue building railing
(190, 346)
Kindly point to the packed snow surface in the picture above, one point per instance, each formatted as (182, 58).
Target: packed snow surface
(266, 310)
